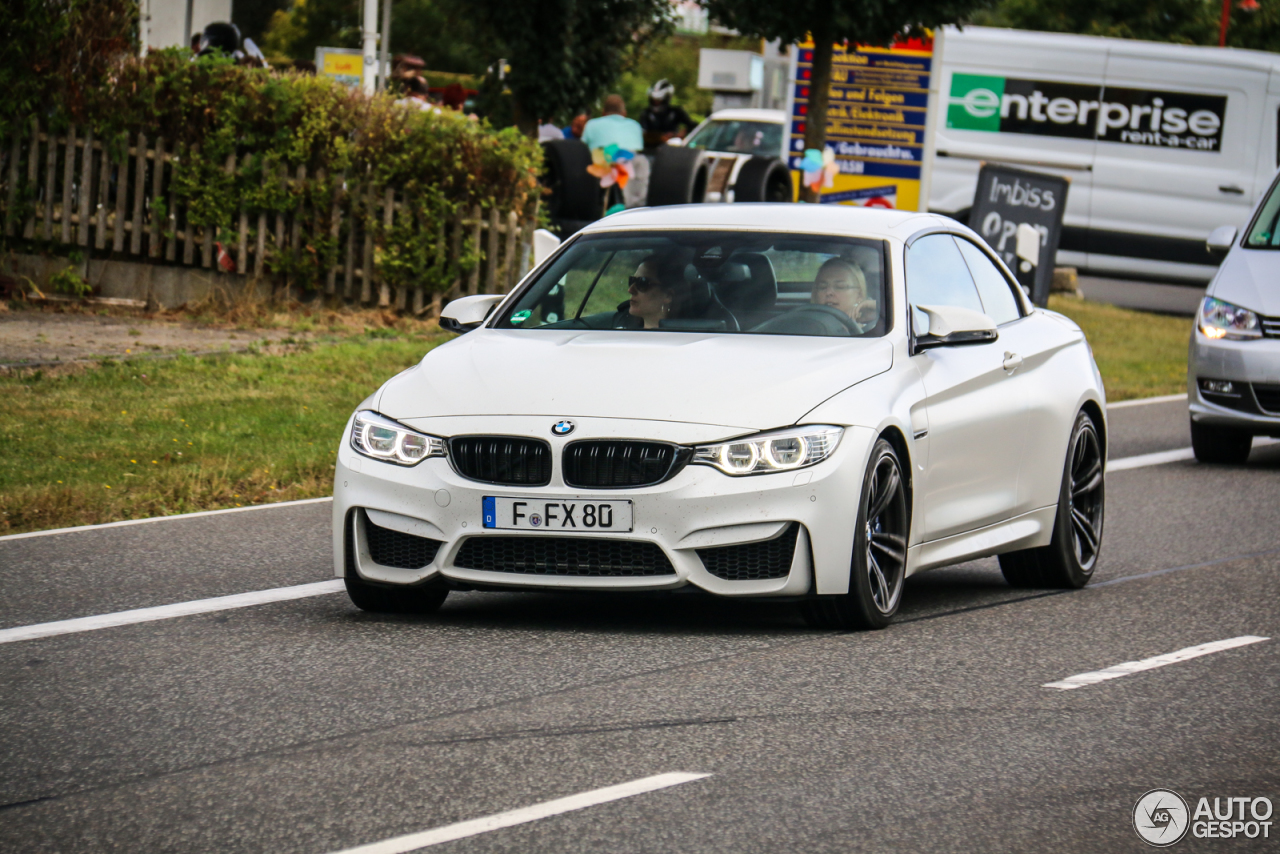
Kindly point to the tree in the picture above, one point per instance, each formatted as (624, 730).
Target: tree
(874, 22)
(564, 54)
(1180, 21)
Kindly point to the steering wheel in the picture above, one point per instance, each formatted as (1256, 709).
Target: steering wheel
(827, 311)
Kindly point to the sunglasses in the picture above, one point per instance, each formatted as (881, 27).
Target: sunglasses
(642, 283)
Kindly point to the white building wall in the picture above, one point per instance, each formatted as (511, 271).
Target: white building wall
(164, 21)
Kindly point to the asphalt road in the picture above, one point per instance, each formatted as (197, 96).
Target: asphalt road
(309, 726)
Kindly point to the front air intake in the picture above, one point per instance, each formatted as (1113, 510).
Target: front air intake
(753, 561)
(564, 556)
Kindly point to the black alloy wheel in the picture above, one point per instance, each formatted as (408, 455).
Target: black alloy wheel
(1072, 554)
(1085, 501)
(878, 570)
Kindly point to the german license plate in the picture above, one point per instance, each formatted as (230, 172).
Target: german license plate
(561, 514)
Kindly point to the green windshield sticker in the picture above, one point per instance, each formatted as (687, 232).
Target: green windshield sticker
(521, 316)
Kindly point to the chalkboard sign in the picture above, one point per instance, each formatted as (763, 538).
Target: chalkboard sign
(1007, 198)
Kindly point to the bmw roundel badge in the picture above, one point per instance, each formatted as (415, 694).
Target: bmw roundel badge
(562, 428)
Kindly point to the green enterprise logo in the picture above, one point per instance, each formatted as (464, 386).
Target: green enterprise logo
(974, 103)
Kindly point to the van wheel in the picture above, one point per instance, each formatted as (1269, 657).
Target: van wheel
(1224, 445)
(1071, 556)
(763, 179)
(878, 570)
(678, 176)
(575, 192)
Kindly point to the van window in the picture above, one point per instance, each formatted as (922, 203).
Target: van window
(937, 275)
(997, 300)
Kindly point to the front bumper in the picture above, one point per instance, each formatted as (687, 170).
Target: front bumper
(698, 508)
(1254, 366)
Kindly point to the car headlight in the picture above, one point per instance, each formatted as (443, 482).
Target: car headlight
(379, 437)
(1220, 319)
(781, 450)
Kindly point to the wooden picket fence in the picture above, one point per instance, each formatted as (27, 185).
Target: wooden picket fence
(84, 197)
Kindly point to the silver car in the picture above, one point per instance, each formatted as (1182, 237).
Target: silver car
(1233, 372)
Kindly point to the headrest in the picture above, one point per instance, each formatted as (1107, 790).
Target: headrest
(747, 283)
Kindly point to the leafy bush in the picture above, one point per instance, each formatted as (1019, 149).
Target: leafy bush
(353, 148)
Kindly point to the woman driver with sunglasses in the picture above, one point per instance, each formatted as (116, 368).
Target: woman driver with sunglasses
(653, 297)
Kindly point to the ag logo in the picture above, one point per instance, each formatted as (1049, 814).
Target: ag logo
(562, 428)
(1161, 818)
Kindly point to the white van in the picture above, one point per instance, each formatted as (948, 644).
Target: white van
(1162, 142)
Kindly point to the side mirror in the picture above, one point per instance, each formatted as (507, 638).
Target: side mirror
(676, 141)
(950, 326)
(1220, 241)
(467, 313)
(544, 243)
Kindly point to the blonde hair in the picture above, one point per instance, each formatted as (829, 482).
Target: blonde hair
(855, 272)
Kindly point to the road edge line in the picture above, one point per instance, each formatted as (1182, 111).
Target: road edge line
(126, 522)
(1143, 401)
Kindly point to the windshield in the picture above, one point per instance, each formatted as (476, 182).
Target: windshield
(707, 281)
(739, 137)
(1264, 232)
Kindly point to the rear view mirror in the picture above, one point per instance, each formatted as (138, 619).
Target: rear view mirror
(467, 313)
(950, 326)
(1220, 241)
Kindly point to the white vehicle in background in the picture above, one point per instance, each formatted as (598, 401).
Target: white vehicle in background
(744, 154)
(732, 156)
(1162, 142)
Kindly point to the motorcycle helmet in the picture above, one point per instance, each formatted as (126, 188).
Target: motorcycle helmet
(220, 36)
(661, 91)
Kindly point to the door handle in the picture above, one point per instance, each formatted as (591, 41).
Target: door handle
(1232, 189)
(1012, 361)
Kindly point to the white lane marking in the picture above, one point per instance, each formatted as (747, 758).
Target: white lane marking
(1156, 459)
(1162, 457)
(463, 829)
(1143, 401)
(1116, 671)
(176, 516)
(166, 612)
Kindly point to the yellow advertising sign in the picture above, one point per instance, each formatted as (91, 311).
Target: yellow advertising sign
(875, 122)
(342, 64)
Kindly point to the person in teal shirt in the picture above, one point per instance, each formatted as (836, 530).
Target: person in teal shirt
(614, 128)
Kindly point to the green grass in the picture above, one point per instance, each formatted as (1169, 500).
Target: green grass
(1138, 354)
(154, 437)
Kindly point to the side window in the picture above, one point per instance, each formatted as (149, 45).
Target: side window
(997, 299)
(937, 275)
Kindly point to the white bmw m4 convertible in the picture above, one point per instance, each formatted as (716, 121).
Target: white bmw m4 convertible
(801, 403)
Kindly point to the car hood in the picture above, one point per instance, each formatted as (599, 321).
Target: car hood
(741, 381)
(1248, 279)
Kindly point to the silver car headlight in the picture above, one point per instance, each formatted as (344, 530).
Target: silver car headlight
(780, 450)
(1218, 319)
(381, 438)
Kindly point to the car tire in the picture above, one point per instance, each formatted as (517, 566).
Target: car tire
(678, 176)
(1223, 445)
(763, 179)
(575, 192)
(877, 572)
(1072, 554)
(423, 598)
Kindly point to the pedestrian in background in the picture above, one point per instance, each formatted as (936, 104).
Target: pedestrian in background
(574, 129)
(662, 120)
